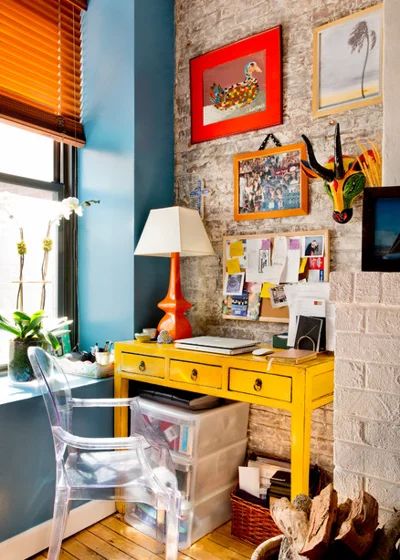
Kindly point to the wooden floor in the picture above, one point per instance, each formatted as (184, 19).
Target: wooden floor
(112, 539)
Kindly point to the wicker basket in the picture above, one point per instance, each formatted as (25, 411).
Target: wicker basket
(268, 550)
(250, 522)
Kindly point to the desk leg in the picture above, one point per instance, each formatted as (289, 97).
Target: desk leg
(300, 449)
(121, 390)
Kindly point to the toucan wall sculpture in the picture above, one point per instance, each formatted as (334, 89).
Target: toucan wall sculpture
(343, 178)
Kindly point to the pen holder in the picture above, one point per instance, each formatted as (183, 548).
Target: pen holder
(103, 358)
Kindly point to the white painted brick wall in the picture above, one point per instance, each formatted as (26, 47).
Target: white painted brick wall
(367, 387)
(203, 25)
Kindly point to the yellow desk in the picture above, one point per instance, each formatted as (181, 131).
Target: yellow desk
(297, 388)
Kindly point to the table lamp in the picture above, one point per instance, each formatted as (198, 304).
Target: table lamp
(174, 232)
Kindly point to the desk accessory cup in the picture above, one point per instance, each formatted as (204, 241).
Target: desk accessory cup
(151, 331)
(103, 358)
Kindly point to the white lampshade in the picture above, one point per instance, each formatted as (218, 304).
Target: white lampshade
(174, 230)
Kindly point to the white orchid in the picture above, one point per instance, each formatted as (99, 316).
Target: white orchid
(69, 206)
(66, 208)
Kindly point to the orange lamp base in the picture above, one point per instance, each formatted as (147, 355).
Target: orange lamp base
(175, 305)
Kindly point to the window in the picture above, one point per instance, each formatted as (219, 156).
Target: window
(37, 172)
(40, 70)
(40, 91)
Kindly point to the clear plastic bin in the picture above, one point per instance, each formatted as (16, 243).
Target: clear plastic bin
(198, 433)
(206, 475)
(196, 521)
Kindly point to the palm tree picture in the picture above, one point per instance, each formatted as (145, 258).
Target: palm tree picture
(360, 36)
(347, 68)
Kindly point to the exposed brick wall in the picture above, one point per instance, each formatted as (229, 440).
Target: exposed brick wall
(202, 25)
(367, 386)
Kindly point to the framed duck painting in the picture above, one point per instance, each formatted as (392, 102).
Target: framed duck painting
(238, 87)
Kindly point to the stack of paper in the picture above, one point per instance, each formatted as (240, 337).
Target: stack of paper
(312, 300)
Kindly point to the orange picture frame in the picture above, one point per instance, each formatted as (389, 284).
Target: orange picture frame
(270, 183)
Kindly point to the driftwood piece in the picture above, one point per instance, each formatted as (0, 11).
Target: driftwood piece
(342, 514)
(386, 538)
(322, 518)
(302, 502)
(357, 532)
(292, 522)
(287, 552)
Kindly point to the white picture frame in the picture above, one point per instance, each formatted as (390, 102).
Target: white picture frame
(347, 62)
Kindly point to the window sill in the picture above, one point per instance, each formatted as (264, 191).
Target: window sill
(12, 393)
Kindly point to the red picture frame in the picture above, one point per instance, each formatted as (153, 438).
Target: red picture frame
(238, 87)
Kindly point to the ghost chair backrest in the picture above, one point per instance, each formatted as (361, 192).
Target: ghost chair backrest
(54, 388)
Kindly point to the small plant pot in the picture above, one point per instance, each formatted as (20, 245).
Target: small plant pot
(19, 366)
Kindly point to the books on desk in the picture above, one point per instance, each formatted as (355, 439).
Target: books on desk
(217, 345)
(293, 356)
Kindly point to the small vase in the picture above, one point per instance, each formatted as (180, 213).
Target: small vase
(19, 366)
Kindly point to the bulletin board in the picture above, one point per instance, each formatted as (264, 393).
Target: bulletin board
(256, 267)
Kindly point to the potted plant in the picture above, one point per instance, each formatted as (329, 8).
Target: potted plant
(29, 331)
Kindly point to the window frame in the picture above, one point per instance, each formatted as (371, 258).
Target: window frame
(64, 184)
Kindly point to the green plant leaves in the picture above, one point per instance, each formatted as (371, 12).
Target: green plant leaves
(5, 326)
(31, 327)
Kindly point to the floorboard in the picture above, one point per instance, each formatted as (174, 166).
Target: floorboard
(112, 539)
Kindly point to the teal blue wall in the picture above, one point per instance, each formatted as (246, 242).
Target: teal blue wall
(27, 465)
(127, 162)
(106, 172)
(154, 144)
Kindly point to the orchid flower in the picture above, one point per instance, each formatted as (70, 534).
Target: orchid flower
(66, 208)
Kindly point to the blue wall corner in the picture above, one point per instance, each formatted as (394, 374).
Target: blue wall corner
(106, 172)
(127, 163)
(154, 144)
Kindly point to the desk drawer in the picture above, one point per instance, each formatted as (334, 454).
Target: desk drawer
(195, 374)
(143, 365)
(261, 384)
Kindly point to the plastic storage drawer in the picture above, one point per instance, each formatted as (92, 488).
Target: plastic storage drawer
(206, 475)
(198, 433)
(197, 520)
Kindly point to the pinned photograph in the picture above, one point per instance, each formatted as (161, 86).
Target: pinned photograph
(253, 290)
(314, 246)
(234, 284)
(278, 296)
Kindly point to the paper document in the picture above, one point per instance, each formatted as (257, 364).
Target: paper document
(312, 300)
(233, 266)
(249, 480)
(276, 272)
(291, 271)
(236, 249)
(258, 252)
(265, 290)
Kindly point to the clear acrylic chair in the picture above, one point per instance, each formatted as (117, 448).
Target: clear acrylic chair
(131, 469)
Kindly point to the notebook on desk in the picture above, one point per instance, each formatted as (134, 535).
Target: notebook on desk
(217, 344)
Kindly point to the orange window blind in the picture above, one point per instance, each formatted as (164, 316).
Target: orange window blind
(40, 66)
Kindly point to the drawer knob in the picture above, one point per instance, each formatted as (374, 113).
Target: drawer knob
(194, 374)
(258, 385)
(142, 366)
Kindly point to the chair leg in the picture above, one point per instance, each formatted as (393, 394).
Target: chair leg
(60, 515)
(172, 533)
